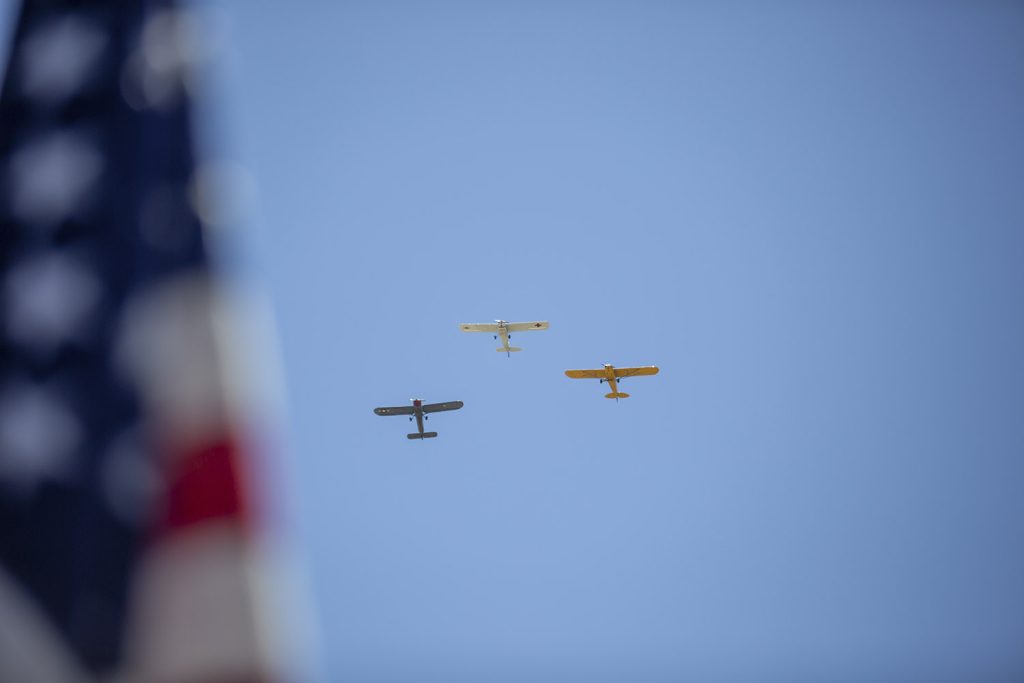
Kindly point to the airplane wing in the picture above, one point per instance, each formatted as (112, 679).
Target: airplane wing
(634, 372)
(437, 407)
(585, 374)
(525, 327)
(400, 410)
(478, 327)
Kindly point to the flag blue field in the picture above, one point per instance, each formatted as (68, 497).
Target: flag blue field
(129, 536)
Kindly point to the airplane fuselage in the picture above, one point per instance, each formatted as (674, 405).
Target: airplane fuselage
(417, 406)
(609, 376)
(503, 335)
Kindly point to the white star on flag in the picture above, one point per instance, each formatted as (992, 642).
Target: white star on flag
(59, 58)
(48, 301)
(38, 435)
(50, 176)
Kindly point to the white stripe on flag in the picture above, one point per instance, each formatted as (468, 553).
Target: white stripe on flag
(197, 613)
(170, 344)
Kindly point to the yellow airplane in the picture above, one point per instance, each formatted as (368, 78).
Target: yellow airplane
(611, 374)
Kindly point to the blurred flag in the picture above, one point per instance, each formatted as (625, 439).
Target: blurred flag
(127, 548)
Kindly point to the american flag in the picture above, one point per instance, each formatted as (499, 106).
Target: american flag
(127, 548)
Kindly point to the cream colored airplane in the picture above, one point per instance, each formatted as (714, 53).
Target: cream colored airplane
(611, 375)
(504, 329)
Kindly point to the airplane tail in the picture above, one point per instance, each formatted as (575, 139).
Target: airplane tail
(616, 394)
(424, 435)
(511, 348)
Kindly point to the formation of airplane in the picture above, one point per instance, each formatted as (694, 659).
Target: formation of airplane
(612, 374)
(504, 329)
(419, 410)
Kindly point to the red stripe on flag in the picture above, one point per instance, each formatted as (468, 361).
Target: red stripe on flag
(206, 485)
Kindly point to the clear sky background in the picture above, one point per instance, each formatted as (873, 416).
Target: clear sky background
(810, 215)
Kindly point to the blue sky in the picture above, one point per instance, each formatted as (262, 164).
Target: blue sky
(808, 214)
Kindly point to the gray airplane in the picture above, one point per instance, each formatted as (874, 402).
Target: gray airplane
(419, 410)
